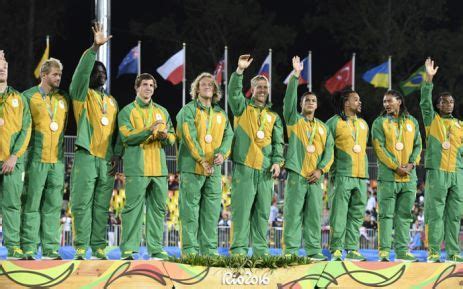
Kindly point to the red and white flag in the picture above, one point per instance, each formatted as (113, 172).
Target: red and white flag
(341, 79)
(218, 72)
(172, 69)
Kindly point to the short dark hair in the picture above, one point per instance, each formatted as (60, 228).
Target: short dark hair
(307, 93)
(440, 96)
(145, 76)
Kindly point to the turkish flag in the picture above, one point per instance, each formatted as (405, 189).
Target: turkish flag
(341, 79)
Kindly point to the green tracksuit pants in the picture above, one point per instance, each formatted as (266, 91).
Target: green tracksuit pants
(11, 186)
(443, 207)
(199, 203)
(141, 191)
(395, 204)
(348, 201)
(251, 199)
(91, 190)
(42, 207)
(302, 214)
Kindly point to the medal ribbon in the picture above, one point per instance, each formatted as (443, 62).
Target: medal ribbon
(209, 118)
(354, 130)
(51, 113)
(102, 102)
(311, 134)
(262, 117)
(399, 130)
(444, 128)
(150, 113)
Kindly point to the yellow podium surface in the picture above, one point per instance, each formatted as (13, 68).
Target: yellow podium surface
(162, 274)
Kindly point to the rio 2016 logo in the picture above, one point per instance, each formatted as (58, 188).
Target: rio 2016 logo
(248, 278)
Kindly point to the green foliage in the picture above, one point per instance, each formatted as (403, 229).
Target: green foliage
(240, 262)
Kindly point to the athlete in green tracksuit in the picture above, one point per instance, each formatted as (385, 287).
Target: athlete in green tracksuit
(145, 128)
(348, 173)
(96, 152)
(204, 136)
(443, 205)
(45, 170)
(309, 157)
(258, 156)
(15, 133)
(397, 143)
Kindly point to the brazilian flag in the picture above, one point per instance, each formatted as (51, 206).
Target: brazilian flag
(414, 81)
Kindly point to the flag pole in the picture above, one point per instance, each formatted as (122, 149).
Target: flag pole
(225, 87)
(47, 43)
(389, 68)
(184, 75)
(309, 70)
(225, 78)
(353, 71)
(139, 58)
(270, 75)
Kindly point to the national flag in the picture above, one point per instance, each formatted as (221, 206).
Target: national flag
(45, 57)
(172, 69)
(218, 72)
(264, 70)
(305, 73)
(129, 64)
(341, 79)
(414, 81)
(378, 76)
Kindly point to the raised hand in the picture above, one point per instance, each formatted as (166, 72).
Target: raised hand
(298, 66)
(430, 69)
(243, 62)
(98, 35)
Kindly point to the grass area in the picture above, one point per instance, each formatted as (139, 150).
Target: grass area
(238, 261)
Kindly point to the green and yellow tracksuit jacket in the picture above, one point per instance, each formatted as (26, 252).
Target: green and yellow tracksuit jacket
(347, 163)
(192, 127)
(248, 149)
(144, 154)
(386, 132)
(438, 130)
(299, 132)
(90, 107)
(15, 133)
(47, 144)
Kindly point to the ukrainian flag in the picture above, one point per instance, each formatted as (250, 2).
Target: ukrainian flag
(378, 76)
(414, 81)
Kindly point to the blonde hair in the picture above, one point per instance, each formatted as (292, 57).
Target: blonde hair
(256, 78)
(194, 91)
(48, 64)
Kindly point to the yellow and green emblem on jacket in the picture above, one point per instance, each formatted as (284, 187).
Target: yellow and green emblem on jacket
(49, 117)
(15, 128)
(258, 141)
(95, 112)
(143, 152)
(310, 144)
(396, 141)
(441, 131)
(202, 132)
(349, 134)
